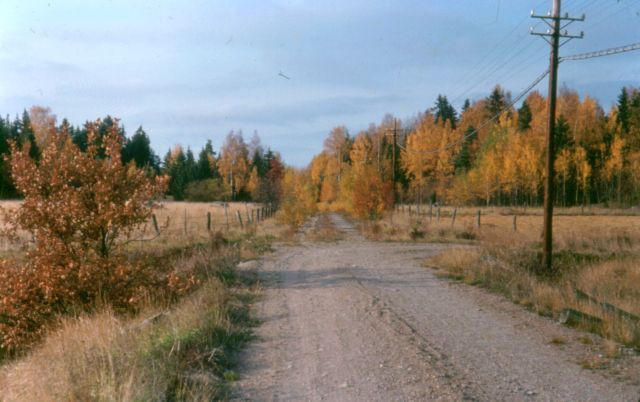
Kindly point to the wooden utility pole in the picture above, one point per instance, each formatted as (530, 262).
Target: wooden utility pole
(554, 34)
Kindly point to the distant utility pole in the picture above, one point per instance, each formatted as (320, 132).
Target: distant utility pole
(554, 21)
(395, 141)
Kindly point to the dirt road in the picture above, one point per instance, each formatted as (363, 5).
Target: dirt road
(364, 321)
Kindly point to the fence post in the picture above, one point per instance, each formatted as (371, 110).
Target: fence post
(209, 221)
(478, 220)
(185, 221)
(239, 219)
(226, 215)
(155, 224)
(453, 219)
(438, 214)
(515, 224)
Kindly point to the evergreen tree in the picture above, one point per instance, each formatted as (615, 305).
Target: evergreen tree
(497, 102)
(444, 111)
(466, 105)
(6, 184)
(206, 165)
(524, 117)
(563, 138)
(623, 111)
(189, 166)
(138, 149)
(462, 161)
(174, 163)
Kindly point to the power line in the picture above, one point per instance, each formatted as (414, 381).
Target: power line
(581, 56)
(601, 53)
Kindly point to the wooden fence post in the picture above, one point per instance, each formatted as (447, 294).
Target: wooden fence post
(185, 221)
(438, 214)
(453, 219)
(209, 221)
(155, 224)
(515, 223)
(478, 220)
(240, 219)
(226, 215)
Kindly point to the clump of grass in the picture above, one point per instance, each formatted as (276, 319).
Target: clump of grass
(556, 340)
(416, 232)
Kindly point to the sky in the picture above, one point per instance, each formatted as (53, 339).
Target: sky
(290, 70)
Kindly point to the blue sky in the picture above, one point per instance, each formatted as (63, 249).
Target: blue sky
(188, 71)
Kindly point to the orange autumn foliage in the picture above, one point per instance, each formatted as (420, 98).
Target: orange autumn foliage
(79, 208)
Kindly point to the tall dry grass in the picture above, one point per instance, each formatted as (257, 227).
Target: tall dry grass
(172, 350)
(609, 275)
(180, 223)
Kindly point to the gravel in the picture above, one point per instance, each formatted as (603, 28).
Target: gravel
(364, 321)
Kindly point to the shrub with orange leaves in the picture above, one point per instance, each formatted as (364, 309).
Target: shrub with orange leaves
(371, 196)
(79, 207)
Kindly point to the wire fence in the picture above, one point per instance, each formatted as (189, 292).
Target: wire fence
(179, 221)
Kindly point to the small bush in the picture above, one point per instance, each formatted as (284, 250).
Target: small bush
(79, 208)
(416, 232)
(206, 190)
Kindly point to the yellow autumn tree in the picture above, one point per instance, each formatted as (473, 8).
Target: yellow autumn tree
(613, 168)
(298, 199)
(233, 164)
(428, 156)
(583, 172)
(254, 183)
(563, 165)
(361, 153)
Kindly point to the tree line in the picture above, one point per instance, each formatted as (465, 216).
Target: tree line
(239, 171)
(489, 153)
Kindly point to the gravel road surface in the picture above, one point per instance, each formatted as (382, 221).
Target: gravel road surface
(365, 321)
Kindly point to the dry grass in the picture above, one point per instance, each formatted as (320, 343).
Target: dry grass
(596, 251)
(182, 353)
(617, 230)
(180, 223)
(513, 271)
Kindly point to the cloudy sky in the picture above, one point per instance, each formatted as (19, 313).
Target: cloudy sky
(188, 71)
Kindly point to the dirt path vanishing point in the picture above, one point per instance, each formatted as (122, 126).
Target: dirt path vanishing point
(364, 321)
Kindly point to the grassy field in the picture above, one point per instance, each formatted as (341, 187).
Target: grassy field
(596, 254)
(178, 223)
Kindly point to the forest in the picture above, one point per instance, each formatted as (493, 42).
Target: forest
(240, 171)
(490, 153)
